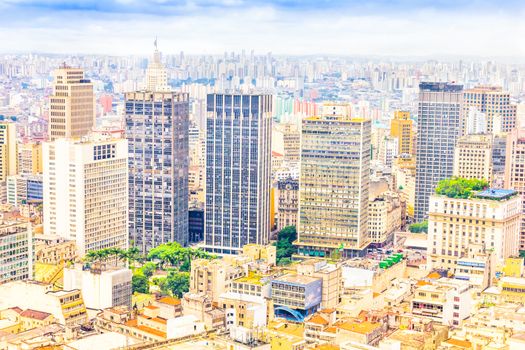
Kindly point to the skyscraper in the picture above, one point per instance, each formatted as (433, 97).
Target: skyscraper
(72, 108)
(500, 114)
(514, 175)
(238, 171)
(157, 124)
(438, 128)
(8, 150)
(86, 192)
(334, 184)
(401, 128)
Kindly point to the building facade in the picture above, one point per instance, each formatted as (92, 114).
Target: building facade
(17, 257)
(72, 104)
(288, 203)
(157, 131)
(238, 171)
(8, 150)
(494, 103)
(30, 158)
(439, 126)
(86, 192)
(334, 185)
(490, 218)
(401, 129)
(473, 157)
(514, 175)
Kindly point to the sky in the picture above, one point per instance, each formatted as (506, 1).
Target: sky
(403, 28)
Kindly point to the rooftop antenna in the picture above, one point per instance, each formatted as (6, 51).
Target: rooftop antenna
(155, 43)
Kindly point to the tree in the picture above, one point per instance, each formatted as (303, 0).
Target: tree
(284, 261)
(177, 283)
(284, 244)
(139, 284)
(419, 227)
(148, 269)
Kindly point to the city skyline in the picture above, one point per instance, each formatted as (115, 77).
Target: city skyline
(399, 28)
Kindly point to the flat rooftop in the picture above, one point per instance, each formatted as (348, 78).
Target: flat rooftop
(296, 279)
(495, 194)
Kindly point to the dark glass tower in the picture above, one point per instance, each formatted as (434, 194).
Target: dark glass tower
(238, 171)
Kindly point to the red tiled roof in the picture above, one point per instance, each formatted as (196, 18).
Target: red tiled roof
(38, 315)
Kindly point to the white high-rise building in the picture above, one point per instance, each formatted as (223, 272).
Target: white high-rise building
(86, 192)
(156, 75)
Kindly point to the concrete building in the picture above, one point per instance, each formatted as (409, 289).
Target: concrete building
(17, 257)
(439, 126)
(401, 129)
(473, 157)
(25, 189)
(30, 158)
(238, 171)
(495, 103)
(334, 185)
(67, 307)
(86, 192)
(296, 296)
(490, 218)
(385, 216)
(212, 277)
(102, 287)
(72, 104)
(514, 175)
(446, 301)
(288, 203)
(157, 129)
(8, 150)
(243, 310)
(330, 274)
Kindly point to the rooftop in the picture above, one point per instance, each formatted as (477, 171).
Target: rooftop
(38, 315)
(495, 194)
(169, 301)
(251, 278)
(296, 279)
(364, 327)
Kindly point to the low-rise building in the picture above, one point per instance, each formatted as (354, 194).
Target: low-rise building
(213, 277)
(331, 277)
(54, 249)
(66, 306)
(296, 296)
(102, 286)
(446, 301)
(243, 310)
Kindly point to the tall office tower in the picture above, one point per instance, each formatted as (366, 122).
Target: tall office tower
(473, 157)
(334, 184)
(514, 174)
(438, 128)
(238, 171)
(17, 247)
(72, 107)
(157, 125)
(495, 103)
(490, 218)
(86, 192)
(8, 150)
(30, 158)
(401, 129)
(157, 128)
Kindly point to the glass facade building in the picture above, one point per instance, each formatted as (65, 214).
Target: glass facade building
(238, 171)
(438, 128)
(157, 126)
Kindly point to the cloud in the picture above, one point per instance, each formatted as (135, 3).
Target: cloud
(379, 27)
